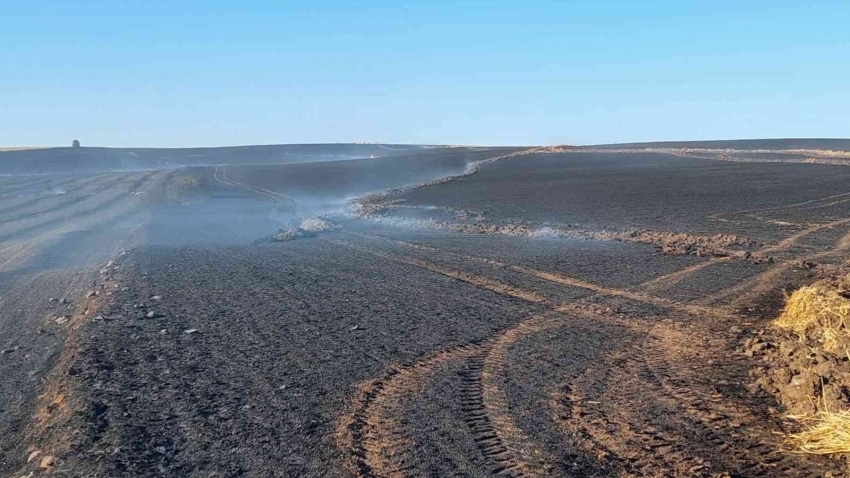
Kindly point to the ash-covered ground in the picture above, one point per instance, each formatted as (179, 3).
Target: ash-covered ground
(485, 312)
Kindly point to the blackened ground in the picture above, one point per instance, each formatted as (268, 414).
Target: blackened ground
(769, 144)
(338, 180)
(87, 159)
(262, 361)
(375, 350)
(648, 190)
(283, 334)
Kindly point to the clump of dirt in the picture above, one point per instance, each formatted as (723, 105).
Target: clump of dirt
(310, 227)
(805, 353)
(689, 244)
(377, 209)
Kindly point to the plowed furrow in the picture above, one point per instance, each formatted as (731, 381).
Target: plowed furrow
(68, 199)
(38, 182)
(14, 252)
(52, 183)
(58, 215)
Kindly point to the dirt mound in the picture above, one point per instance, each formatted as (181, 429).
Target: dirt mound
(310, 227)
(669, 243)
(806, 353)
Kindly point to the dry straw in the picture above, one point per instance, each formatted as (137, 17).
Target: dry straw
(826, 433)
(819, 312)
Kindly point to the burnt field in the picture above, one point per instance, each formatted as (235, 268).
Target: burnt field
(535, 312)
(46, 161)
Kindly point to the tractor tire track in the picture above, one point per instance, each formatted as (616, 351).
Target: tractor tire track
(571, 281)
(512, 453)
(747, 291)
(372, 433)
(678, 361)
(220, 175)
(500, 440)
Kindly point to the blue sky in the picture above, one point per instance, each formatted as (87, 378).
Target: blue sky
(159, 73)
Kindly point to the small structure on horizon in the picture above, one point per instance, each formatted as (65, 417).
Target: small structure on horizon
(75, 143)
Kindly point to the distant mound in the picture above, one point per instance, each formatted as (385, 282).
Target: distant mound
(767, 144)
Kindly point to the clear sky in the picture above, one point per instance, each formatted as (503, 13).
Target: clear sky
(219, 72)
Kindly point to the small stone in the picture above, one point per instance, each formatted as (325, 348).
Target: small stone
(163, 331)
(151, 315)
(354, 327)
(140, 305)
(47, 462)
(156, 297)
(63, 301)
(190, 331)
(91, 294)
(33, 456)
(61, 320)
(52, 299)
